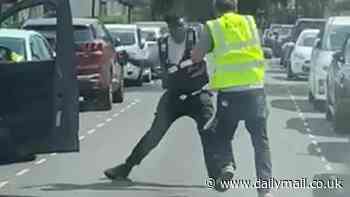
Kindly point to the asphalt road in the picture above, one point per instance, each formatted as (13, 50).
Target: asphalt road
(302, 141)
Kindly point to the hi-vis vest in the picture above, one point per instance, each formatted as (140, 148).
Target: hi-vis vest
(237, 54)
(16, 57)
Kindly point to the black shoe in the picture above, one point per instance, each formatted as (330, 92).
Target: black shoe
(223, 181)
(119, 172)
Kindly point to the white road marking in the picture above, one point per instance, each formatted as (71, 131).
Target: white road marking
(109, 119)
(329, 167)
(81, 138)
(22, 172)
(311, 136)
(128, 107)
(306, 124)
(314, 142)
(53, 154)
(323, 159)
(318, 150)
(3, 184)
(308, 130)
(122, 111)
(91, 131)
(115, 115)
(40, 161)
(100, 125)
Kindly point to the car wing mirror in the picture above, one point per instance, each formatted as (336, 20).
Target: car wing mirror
(318, 44)
(339, 57)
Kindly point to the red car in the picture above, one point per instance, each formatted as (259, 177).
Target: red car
(99, 72)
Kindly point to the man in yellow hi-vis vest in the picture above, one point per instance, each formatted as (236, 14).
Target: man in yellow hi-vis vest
(237, 61)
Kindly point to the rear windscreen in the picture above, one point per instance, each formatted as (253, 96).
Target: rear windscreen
(307, 25)
(81, 33)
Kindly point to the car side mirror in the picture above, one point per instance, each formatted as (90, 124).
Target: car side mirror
(318, 44)
(117, 42)
(339, 57)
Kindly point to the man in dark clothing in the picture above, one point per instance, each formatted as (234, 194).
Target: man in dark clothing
(185, 96)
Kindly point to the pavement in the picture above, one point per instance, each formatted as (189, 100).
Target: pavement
(303, 145)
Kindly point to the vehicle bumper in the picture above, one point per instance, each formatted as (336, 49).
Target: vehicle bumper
(90, 84)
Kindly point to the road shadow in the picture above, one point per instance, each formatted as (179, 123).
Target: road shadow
(281, 90)
(318, 126)
(333, 190)
(276, 71)
(288, 104)
(123, 185)
(334, 152)
(147, 88)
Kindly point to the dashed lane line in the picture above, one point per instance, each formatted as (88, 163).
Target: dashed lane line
(3, 184)
(308, 130)
(22, 172)
(91, 131)
(41, 161)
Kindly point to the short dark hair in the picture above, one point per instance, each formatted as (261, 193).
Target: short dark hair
(226, 5)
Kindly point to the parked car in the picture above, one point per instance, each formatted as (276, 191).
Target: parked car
(300, 25)
(329, 41)
(338, 89)
(131, 41)
(152, 36)
(31, 45)
(152, 31)
(281, 34)
(99, 72)
(39, 106)
(301, 55)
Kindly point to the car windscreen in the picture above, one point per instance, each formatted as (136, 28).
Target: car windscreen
(336, 37)
(81, 33)
(307, 40)
(16, 45)
(149, 35)
(301, 26)
(126, 37)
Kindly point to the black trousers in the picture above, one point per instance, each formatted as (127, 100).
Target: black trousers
(250, 107)
(170, 108)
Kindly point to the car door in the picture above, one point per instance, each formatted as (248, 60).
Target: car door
(341, 76)
(40, 98)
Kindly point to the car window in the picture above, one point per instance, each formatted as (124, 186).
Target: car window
(336, 37)
(307, 40)
(16, 45)
(301, 26)
(81, 33)
(39, 50)
(127, 37)
(149, 35)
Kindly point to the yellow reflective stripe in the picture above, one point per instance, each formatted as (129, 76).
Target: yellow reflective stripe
(241, 67)
(253, 29)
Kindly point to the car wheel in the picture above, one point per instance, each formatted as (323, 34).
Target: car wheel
(106, 98)
(290, 74)
(340, 123)
(148, 78)
(311, 97)
(118, 95)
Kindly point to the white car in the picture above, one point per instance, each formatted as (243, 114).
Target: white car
(329, 41)
(301, 55)
(29, 44)
(131, 41)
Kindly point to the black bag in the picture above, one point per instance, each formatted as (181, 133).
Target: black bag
(184, 80)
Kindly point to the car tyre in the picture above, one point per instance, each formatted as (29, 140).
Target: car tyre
(118, 95)
(106, 99)
(340, 123)
(290, 74)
